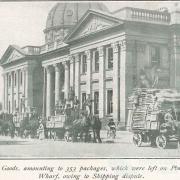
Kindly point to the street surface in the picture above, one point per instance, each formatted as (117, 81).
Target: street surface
(121, 147)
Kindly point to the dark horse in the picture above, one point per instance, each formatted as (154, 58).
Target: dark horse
(7, 126)
(95, 125)
(82, 126)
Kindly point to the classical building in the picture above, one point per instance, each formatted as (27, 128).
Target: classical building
(94, 52)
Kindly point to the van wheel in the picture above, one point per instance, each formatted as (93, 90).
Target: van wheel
(161, 141)
(137, 139)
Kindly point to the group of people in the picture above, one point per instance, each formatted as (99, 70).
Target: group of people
(66, 105)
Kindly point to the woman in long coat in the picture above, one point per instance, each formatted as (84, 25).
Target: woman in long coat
(41, 131)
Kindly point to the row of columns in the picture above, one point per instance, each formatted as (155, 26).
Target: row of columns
(11, 92)
(72, 79)
(118, 84)
(49, 90)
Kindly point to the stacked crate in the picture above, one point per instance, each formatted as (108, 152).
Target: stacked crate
(144, 100)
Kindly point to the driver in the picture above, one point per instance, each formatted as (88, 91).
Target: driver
(169, 120)
(76, 103)
(111, 125)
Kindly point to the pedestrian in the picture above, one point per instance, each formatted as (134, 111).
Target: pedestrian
(41, 131)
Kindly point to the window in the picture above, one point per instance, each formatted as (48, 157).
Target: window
(15, 104)
(83, 100)
(110, 57)
(109, 101)
(9, 80)
(84, 64)
(155, 55)
(21, 105)
(15, 79)
(96, 102)
(9, 107)
(96, 61)
(21, 78)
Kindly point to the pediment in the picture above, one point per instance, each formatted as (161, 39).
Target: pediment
(93, 22)
(11, 54)
(14, 55)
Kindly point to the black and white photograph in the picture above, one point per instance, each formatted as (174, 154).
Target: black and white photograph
(90, 79)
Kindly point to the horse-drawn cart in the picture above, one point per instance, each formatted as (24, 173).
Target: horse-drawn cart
(72, 123)
(155, 115)
(55, 126)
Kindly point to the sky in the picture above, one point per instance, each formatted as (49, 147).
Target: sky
(22, 23)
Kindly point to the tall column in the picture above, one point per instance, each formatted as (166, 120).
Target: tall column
(24, 100)
(29, 87)
(48, 91)
(4, 92)
(7, 95)
(77, 76)
(26, 87)
(66, 81)
(44, 93)
(12, 91)
(18, 89)
(175, 61)
(3, 95)
(57, 83)
(122, 81)
(116, 82)
(101, 83)
(88, 82)
(72, 73)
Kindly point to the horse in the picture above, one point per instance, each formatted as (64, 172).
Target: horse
(7, 124)
(95, 125)
(80, 127)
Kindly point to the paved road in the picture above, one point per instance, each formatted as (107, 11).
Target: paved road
(121, 147)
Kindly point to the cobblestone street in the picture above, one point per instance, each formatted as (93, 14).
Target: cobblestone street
(121, 147)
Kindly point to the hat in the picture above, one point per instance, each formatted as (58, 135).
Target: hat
(169, 110)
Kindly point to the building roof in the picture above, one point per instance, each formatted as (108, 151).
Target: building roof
(68, 14)
(14, 52)
(110, 22)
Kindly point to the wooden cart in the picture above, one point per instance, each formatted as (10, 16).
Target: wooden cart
(148, 124)
(55, 127)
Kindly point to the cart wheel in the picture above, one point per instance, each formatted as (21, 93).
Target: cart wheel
(113, 134)
(67, 136)
(161, 141)
(137, 139)
(108, 133)
(176, 144)
(55, 136)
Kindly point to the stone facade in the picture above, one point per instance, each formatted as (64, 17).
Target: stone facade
(104, 56)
